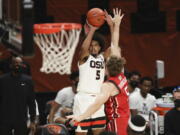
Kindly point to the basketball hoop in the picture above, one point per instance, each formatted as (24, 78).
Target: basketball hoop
(57, 42)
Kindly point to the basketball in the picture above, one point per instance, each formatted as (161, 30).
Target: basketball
(96, 17)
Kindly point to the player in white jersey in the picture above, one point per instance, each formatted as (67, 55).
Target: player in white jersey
(91, 76)
(89, 105)
(92, 70)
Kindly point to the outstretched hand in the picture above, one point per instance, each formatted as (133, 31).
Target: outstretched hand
(117, 16)
(116, 20)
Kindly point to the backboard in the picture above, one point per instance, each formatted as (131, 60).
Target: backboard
(16, 25)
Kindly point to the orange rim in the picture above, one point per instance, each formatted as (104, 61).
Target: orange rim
(48, 28)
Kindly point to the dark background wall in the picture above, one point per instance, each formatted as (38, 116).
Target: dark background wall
(141, 50)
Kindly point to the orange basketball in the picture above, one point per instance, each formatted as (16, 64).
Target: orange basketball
(96, 17)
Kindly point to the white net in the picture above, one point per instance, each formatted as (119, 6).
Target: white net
(57, 50)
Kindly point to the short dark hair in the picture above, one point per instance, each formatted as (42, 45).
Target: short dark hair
(74, 75)
(115, 65)
(135, 72)
(146, 78)
(100, 39)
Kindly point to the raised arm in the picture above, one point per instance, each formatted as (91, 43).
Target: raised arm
(110, 23)
(114, 25)
(86, 43)
(115, 48)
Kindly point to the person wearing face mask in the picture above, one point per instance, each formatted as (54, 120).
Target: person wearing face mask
(63, 102)
(135, 76)
(134, 79)
(172, 118)
(16, 95)
(133, 87)
(6, 62)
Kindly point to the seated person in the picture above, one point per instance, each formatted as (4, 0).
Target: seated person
(64, 101)
(141, 102)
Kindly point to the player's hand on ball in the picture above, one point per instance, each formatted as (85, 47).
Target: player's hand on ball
(108, 18)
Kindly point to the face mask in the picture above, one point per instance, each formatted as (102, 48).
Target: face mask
(177, 103)
(17, 69)
(133, 84)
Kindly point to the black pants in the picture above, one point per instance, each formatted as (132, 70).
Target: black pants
(13, 129)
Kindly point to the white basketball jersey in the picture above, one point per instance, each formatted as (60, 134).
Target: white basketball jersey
(91, 75)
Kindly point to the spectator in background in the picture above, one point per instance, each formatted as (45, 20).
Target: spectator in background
(6, 62)
(134, 78)
(136, 125)
(172, 118)
(64, 101)
(25, 67)
(16, 95)
(5, 67)
(132, 87)
(141, 102)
